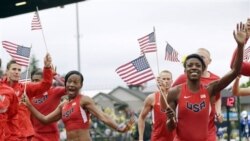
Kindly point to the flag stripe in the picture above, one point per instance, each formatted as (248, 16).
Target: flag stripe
(127, 72)
(171, 54)
(23, 78)
(135, 72)
(142, 80)
(137, 77)
(147, 43)
(20, 54)
(246, 54)
(36, 24)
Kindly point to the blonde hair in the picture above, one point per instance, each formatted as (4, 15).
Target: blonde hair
(203, 49)
(166, 71)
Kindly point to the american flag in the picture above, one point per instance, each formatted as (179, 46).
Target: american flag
(23, 78)
(147, 43)
(246, 54)
(136, 72)
(19, 53)
(171, 54)
(36, 24)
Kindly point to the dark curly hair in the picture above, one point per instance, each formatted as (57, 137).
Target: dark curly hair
(197, 57)
(71, 73)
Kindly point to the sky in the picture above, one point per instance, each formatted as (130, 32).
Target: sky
(109, 31)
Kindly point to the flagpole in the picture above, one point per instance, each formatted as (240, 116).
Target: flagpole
(157, 61)
(164, 98)
(78, 40)
(42, 29)
(157, 83)
(27, 73)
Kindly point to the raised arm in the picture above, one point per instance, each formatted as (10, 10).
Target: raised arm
(52, 117)
(240, 37)
(237, 91)
(36, 88)
(144, 112)
(88, 103)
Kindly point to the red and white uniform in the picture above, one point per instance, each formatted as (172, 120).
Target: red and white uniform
(74, 116)
(192, 115)
(205, 81)
(160, 132)
(8, 110)
(46, 103)
(22, 120)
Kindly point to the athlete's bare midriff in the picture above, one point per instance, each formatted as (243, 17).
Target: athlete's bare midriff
(78, 135)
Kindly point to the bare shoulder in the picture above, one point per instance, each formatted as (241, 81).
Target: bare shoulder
(175, 89)
(86, 100)
(150, 99)
(174, 92)
(151, 96)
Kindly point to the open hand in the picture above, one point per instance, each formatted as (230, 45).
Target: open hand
(127, 126)
(220, 117)
(240, 35)
(47, 61)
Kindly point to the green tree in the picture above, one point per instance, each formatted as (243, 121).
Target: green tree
(244, 85)
(33, 63)
(32, 66)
